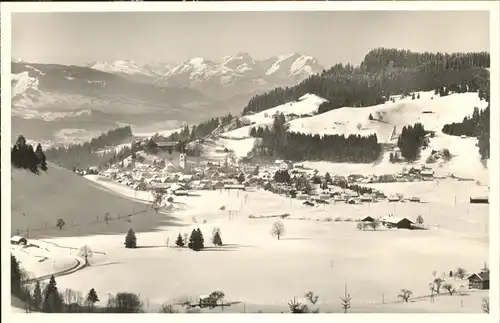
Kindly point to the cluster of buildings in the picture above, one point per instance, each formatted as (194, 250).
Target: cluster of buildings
(176, 177)
(204, 175)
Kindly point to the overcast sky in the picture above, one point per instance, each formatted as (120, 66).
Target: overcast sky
(331, 37)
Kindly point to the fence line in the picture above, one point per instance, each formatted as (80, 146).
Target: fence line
(73, 225)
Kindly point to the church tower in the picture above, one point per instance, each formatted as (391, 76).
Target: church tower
(183, 161)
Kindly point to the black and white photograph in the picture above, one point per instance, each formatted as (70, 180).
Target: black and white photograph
(250, 161)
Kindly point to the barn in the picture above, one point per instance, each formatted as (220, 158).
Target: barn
(167, 146)
(400, 223)
(479, 280)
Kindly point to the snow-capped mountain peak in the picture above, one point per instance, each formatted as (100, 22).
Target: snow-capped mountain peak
(120, 66)
(234, 73)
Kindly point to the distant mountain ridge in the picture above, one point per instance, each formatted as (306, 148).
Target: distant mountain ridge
(39, 88)
(227, 76)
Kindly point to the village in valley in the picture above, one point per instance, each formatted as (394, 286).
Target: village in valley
(221, 193)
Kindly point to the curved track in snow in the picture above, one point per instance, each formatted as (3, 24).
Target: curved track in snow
(79, 265)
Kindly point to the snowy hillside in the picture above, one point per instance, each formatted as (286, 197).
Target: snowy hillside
(306, 105)
(430, 110)
(388, 120)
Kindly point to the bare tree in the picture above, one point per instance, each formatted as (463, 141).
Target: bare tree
(216, 297)
(449, 288)
(60, 223)
(106, 217)
(420, 220)
(431, 288)
(405, 295)
(361, 226)
(278, 229)
(167, 308)
(157, 201)
(79, 299)
(86, 253)
(311, 297)
(460, 273)
(485, 305)
(345, 302)
(438, 282)
(374, 225)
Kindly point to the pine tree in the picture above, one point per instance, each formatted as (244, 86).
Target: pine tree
(370, 117)
(179, 242)
(201, 240)
(37, 296)
(130, 239)
(41, 157)
(196, 241)
(241, 178)
(52, 302)
(192, 240)
(15, 276)
(328, 178)
(217, 240)
(92, 298)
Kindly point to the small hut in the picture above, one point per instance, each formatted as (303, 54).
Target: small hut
(479, 199)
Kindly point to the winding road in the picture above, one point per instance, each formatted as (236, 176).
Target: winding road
(78, 265)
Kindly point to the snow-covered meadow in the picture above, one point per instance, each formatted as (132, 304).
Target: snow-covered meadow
(314, 254)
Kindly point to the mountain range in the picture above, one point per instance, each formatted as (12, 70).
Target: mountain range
(221, 78)
(103, 95)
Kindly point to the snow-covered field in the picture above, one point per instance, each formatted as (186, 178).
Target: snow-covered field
(431, 110)
(307, 104)
(314, 255)
(40, 258)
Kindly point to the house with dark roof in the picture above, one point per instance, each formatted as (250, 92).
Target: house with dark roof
(167, 145)
(397, 222)
(479, 199)
(17, 240)
(479, 280)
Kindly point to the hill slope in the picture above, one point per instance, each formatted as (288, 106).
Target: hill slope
(38, 201)
(431, 110)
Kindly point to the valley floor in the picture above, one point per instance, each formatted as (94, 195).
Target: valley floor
(314, 254)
